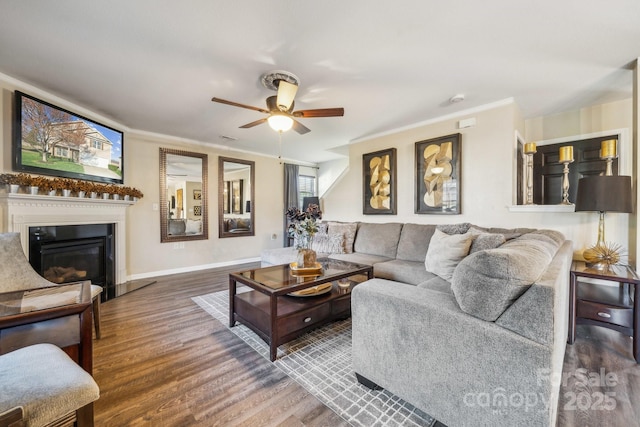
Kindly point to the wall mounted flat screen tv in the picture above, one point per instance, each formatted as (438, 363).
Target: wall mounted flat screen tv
(50, 140)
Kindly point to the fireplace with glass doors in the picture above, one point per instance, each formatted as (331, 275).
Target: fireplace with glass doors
(69, 253)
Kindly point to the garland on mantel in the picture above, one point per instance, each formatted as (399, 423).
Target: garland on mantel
(73, 185)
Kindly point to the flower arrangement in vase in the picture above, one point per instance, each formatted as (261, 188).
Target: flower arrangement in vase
(303, 225)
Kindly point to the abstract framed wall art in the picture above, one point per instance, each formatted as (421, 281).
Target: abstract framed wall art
(438, 175)
(379, 182)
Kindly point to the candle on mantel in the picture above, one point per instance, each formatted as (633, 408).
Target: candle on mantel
(530, 148)
(608, 149)
(566, 154)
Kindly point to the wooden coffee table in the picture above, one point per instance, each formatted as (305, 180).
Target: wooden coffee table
(277, 317)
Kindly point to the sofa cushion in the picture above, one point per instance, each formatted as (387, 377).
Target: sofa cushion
(414, 241)
(437, 284)
(487, 282)
(359, 258)
(446, 251)
(378, 239)
(348, 229)
(411, 272)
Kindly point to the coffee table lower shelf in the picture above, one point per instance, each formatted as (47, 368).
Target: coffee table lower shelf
(294, 315)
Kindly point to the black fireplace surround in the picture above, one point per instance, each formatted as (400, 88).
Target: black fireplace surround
(68, 253)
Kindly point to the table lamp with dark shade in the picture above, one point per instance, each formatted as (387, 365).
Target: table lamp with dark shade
(604, 194)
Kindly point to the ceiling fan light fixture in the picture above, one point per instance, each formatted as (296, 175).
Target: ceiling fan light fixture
(280, 122)
(286, 93)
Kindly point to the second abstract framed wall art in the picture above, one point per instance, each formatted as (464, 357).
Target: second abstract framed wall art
(379, 182)
(438, 175)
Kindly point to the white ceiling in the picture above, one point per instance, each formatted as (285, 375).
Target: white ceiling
(154, 65)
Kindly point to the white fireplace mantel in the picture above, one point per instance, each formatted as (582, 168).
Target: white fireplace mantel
(18, 212)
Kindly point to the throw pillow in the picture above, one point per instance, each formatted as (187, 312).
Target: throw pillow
(485, 241)
(328, 243)
(445, 252)
(323, 227)
(193, 227)
(348, 229)
(486, 283)
(461, 228)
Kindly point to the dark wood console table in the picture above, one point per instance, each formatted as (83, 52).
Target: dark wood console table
(613, 307)
(278, 318)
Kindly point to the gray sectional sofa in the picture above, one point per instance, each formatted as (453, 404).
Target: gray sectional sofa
(476, 339)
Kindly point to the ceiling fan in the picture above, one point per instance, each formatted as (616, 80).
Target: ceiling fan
(282, 116)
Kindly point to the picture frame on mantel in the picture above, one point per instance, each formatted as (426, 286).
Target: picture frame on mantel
(438, 168)
(379, 183)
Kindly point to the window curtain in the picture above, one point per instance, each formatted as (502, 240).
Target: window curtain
(291, 173)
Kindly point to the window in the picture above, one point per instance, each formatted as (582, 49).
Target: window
(306, 187)
(96, 144)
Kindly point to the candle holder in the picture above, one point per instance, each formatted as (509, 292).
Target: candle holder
(566, 157)
(565, 184)
(608, 152)
(529, 151)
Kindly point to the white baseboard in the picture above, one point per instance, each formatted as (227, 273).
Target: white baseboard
(192, 268)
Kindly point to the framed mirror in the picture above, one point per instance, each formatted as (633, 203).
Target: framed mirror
(236, 210)
(183, 196)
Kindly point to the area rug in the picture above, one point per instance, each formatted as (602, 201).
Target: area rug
(320, 361)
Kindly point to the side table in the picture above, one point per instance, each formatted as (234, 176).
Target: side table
(613, 307)
(60, 315)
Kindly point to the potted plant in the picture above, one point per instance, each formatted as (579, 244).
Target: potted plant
(23, 179)
(11, 180)
(84, 188)
(135, 194)
(37, 182)
(47, 185)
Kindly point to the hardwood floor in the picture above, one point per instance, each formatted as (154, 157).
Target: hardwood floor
(602, 380)
(163, 361)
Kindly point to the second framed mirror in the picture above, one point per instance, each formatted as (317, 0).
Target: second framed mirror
(236, 207)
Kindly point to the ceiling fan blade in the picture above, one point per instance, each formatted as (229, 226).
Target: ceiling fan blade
(235, 104)
(252, 124)
(286, 93)
(300, 128)
(321, 112)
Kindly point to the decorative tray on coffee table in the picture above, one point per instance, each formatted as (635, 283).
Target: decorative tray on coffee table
(315, 270)
(313, 291)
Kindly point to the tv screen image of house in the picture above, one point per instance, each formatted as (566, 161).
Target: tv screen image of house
(50, 140)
